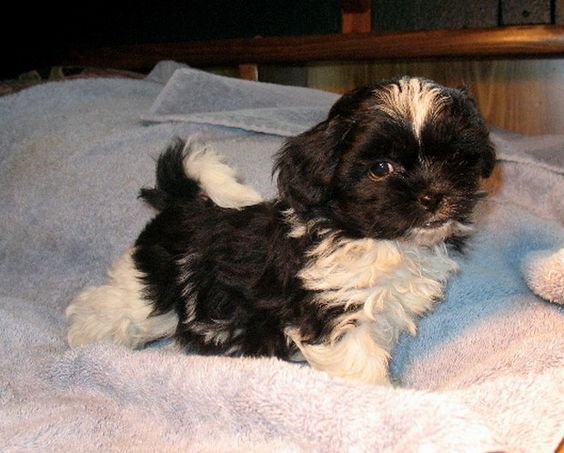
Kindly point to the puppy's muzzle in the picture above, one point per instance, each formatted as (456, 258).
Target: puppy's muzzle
(431, 201)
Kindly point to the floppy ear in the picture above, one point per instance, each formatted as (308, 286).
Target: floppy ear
(463, 89)
(488, 160)
(349, 102)
(478, 123)
(306, 165)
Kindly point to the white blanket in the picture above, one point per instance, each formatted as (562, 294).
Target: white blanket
(484, 373)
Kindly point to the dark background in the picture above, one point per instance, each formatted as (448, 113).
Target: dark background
(34, 36)
(43, 34)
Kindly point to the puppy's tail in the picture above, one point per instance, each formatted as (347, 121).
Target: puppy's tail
(194, 171)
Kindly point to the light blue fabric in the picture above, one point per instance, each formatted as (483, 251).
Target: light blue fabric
(194, 96)
(484, 373)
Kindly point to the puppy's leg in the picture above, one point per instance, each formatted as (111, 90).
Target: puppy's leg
(355, 355)
(117, 311)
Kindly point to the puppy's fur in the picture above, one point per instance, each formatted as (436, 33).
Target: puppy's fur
(351, 252)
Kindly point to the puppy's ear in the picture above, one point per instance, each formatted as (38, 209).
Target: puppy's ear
(350, 102)
(478, 123)
(463, 89)
(488, 157)
(488, 160)
(306, 165)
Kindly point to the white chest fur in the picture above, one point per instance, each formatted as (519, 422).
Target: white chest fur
(382, 287)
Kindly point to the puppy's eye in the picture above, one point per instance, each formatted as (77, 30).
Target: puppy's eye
(381, 170)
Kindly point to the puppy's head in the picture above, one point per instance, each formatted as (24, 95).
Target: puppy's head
(401, 159)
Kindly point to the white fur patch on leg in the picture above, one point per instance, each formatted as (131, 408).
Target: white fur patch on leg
(355, 356)
(217, 179)
(117, 311)
(381, 287)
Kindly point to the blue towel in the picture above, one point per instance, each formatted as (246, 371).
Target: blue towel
(484, 373)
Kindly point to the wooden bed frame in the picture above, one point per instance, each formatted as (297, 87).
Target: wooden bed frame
(518, 41)
(516, 73)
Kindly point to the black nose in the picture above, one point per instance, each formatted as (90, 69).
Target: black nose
(430, 201)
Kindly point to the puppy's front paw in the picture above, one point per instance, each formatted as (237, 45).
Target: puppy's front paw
(355, 356)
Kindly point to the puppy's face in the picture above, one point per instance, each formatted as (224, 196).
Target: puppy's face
(401, 159)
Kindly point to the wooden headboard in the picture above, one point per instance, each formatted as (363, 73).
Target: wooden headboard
(515, 73)
(517, 41)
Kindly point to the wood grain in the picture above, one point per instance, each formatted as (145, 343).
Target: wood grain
(356, 16)
(248, 71)
(521, 95)
(502, 41)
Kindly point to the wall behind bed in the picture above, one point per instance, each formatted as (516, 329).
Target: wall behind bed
(525, 96)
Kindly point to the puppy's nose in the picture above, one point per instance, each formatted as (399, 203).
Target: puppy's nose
(430, 200)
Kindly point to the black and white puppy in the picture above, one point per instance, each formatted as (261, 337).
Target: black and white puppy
(352, 251)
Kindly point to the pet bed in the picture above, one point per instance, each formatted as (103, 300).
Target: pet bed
(484, 373)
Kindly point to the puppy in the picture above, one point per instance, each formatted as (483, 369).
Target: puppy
(352, 251)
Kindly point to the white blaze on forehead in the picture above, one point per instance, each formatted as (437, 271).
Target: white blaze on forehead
(414, 99)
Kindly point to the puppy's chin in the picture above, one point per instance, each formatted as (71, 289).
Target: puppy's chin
(432, 235)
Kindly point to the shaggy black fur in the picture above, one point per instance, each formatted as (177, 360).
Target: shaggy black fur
(231, 275)
(242, 268)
